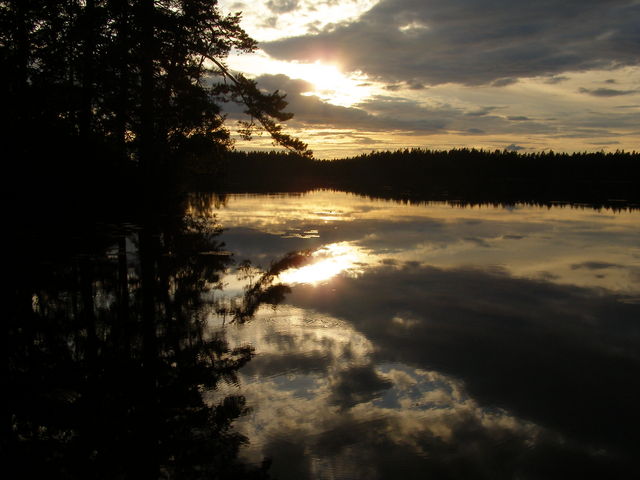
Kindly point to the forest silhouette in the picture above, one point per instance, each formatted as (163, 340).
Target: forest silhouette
(120, 93)
(460, 176)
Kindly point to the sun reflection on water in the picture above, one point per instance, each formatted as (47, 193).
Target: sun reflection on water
(329, 261)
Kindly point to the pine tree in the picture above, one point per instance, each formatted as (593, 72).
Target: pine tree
(137, 81)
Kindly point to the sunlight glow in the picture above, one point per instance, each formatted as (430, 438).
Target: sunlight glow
(326, 81)
(333, 86)
(331, 260)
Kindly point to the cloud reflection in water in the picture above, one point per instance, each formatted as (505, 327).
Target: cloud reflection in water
(471, 344)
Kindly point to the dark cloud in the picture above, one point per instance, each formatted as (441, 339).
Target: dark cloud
(518, 118)
(480, 242)
(481, 112)
(357, 385)
(282, 6)
(416, 86)
(503, 82)
(476, 42)
(394, 87)
(605, 121)
(606, 92)
(514, 148)
(595, 265)
(364, 140)
(556, 79)
(561, 356)
(270, 22)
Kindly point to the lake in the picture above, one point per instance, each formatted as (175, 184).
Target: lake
(327, 335)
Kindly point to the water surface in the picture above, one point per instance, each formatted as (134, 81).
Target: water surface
(435, 341)
(326, 336)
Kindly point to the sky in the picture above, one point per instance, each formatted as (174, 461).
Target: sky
(363, 75)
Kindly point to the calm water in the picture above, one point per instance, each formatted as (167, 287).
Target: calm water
(429, 340)
(400, 341)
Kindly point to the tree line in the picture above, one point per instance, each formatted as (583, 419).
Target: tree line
(466, 175)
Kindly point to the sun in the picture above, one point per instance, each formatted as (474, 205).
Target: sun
(329, 82)
(322, 77)
(332, 85)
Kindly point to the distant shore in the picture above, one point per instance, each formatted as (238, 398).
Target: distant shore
(600, 180)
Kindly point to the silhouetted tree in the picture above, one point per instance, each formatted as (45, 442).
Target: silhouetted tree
(105, 81)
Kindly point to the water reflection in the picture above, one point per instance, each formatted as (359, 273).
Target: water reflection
(484, 343)
(327, 262)
(467, 373)
(109, 355)
(557, 244)
(337, 336)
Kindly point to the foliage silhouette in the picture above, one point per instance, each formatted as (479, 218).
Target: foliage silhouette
(110, 356)
(118, 88)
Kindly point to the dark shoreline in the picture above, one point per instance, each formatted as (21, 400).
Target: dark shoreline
(464, 177)
(87, 192)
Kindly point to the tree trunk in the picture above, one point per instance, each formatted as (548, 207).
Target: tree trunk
(146, 22)
(122, 101)
(85, 114)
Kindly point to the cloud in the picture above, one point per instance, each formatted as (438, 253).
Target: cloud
(272, 364)
(481, 111)
(514, 148)
(464, 371)
(595, 265)
(282, 6)
(561, 356)
(382, 113)
(503, 82)
(376, 114)
(556, 79)
(606, 92)
(476, 42)
(357, 385)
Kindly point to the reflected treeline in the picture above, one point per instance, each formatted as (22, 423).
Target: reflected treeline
(462, 176)
(109, 354)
